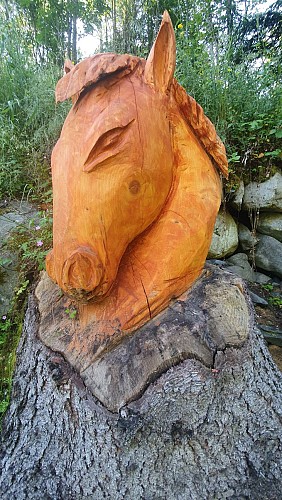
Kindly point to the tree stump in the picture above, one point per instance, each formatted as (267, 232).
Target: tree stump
(191, 409)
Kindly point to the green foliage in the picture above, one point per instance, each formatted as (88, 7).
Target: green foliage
(261, 33)
(242, 98)
(28, 135)
(21, 289)
(30, 121)
(10, 331)
(71, 312)
(269, 287)
(52, 27)
(274, 296)
(275, 301)
(32, 242)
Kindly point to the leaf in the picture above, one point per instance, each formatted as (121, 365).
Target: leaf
(274, 154)
(255, 124)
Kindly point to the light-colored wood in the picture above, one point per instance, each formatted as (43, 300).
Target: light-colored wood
(136, 189)
(116, 376)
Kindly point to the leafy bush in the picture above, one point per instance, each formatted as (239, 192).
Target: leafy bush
(243, 100)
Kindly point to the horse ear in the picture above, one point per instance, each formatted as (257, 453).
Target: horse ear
(160, 65)
(68, 66)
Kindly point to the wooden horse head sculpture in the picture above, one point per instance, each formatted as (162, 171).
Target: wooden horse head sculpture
(136, 188)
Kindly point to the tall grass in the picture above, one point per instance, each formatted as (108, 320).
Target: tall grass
(29, 119)
(30, 123)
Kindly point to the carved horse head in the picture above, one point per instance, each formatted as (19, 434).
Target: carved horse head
(134, 180)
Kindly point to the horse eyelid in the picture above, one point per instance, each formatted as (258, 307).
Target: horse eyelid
(104, 147)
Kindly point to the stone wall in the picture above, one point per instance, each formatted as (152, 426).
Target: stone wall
(248, 231)
(247, 241)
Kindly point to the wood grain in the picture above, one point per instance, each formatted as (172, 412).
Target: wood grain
(213, 317)
(136, 188)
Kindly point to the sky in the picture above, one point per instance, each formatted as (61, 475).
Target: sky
(88, 45)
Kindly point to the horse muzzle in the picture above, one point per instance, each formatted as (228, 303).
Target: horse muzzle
(81, 274)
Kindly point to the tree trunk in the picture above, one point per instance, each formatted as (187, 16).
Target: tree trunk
(74, 39)
(69, 42)
(114, 20)
(199, 428)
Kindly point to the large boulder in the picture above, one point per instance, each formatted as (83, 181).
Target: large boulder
(271, 224)
(225, 236)
(236, 198)
(247, 239)
(261, 278)
(268, 255)
(266, 196)
(240, 266)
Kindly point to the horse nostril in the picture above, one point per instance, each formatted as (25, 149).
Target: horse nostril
(82, 270)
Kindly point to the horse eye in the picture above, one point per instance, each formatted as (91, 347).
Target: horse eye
(107, 146)
(109, 139)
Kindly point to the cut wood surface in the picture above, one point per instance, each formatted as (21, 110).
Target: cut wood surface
(116, 373)
(201, 428)
(136, 189)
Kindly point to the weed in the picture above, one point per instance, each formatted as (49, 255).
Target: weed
(33, 241)
(10, 331)
(71, 312)
(21, 289)
(269, 287)
(274, 298)
(275, 301)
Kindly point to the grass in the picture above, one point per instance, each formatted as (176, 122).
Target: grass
(31, 241)
(10, 333)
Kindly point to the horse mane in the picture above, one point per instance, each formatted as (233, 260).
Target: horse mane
(201, 126)
(96, 68)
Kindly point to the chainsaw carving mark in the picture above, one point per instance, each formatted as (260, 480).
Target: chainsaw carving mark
(136, 187)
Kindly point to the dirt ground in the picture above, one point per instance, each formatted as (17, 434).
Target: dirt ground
(276, 353)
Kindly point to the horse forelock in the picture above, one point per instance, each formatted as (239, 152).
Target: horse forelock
(93, 70)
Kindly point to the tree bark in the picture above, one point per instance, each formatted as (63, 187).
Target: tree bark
(198, 430)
